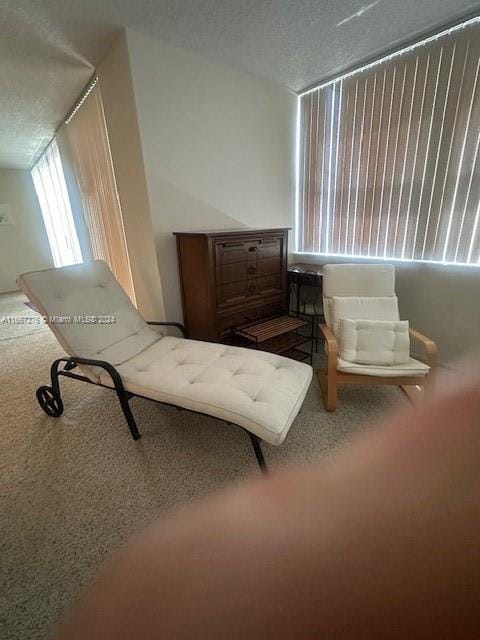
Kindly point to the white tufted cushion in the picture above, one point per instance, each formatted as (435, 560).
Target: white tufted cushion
(363, 308)
(374, 341)
(259, 391)
(89, 289)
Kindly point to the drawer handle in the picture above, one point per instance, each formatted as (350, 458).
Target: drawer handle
(252, 248)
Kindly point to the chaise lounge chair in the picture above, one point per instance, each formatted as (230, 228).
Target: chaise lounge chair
(109, 344)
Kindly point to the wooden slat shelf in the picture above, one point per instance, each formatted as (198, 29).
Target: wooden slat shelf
(272, 328)
(276, 335)
(283, 343)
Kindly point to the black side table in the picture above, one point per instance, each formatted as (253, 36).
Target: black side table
(300, 276)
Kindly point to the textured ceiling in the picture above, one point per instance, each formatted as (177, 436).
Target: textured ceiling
(49, 48)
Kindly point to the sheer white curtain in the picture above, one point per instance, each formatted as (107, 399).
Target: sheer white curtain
(51, 189)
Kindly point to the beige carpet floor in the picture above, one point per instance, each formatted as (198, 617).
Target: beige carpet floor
(73, 489)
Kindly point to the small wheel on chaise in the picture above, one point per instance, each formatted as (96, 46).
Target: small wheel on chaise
(49, 401)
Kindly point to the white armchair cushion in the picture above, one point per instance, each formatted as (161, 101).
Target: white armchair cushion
(375, 342)
(363, 308)
(376, 280)
(358, 280)
(413, 368)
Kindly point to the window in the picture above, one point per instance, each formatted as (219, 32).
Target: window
(49, 182)
(389, 162)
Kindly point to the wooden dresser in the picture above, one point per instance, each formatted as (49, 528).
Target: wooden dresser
(230, 278)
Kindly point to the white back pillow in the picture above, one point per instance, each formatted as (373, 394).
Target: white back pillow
(379, 342)
(367, 280)
(363, 308)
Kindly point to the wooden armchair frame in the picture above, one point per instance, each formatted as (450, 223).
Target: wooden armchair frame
(413, 386)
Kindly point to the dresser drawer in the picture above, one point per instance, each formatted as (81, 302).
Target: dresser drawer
(236, 251)
(269, 248)
(234, 272)
(233, 258)
(227, 252)
(269, 284)
(268, 266)
(232, 293)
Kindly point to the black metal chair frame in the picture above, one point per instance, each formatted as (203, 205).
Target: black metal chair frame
(50, 400)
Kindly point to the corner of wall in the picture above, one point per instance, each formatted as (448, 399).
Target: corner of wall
(120, 109)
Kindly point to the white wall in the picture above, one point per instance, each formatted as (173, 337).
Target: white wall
(218, 148)
(443, 302)
(23, 245)
(127, 157)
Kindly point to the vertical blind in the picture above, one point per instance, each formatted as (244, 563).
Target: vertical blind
(49, 182)
(92, 164)
(389, 157)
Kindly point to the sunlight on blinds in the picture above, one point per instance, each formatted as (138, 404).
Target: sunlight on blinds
(389, 161)
(49, 182)
(92, 164)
